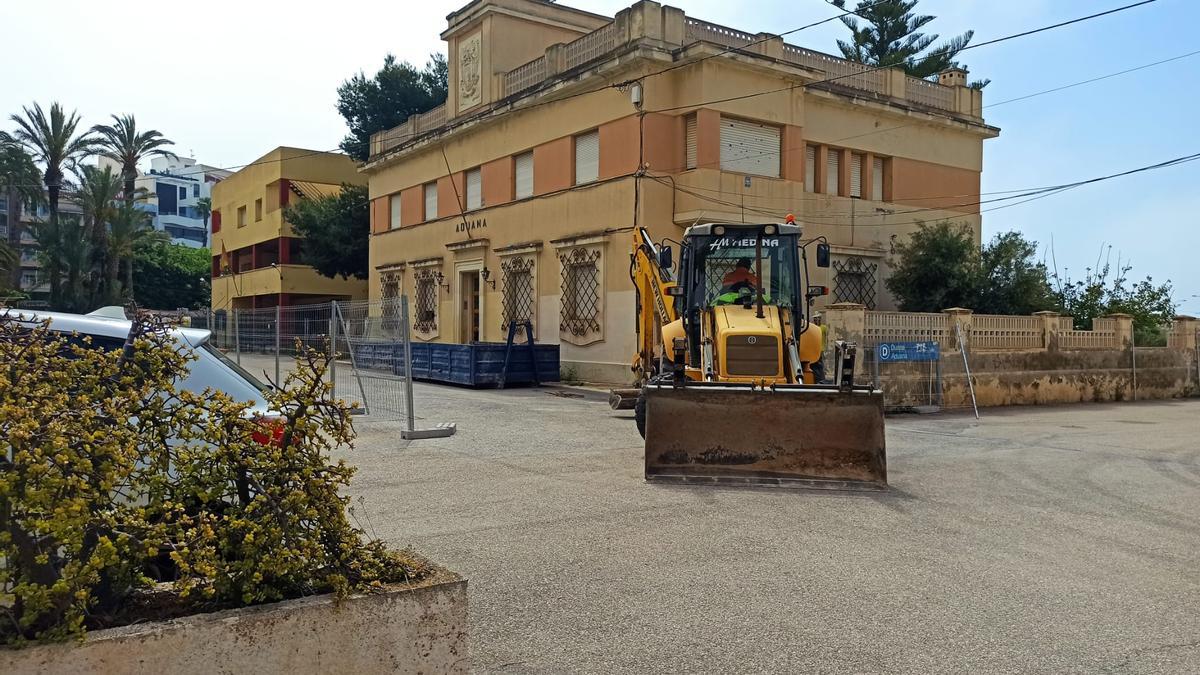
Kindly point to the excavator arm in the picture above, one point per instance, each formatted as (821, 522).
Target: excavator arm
(655, 299)
(656, 290)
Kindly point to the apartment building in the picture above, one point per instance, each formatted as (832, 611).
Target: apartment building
(173, 187)
(258, 261)
(30, 280)
(564, 129)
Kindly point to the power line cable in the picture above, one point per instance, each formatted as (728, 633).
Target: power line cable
(826, 80)
(990, 105)
(951, 51)
(768, 37)
(1028, 196)
(994, 41)
(1038, 93)
(750, 44)
(494, 113)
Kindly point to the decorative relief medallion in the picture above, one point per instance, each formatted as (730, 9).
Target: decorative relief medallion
(470, 75)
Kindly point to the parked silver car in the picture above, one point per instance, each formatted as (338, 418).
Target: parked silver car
(211, 369)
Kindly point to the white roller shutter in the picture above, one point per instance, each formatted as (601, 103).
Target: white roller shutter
(474, 189)
(856, 167)
(833, 170)
(749, 147)
(877, 179)
(587, 157)
(395, 211)
(524, 175)
(689, 139)
(431, 201)
(810, 168)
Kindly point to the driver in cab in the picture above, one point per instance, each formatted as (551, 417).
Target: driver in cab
(738, 281)
(740, 276)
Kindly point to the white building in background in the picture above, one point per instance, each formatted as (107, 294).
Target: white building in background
(173, 186)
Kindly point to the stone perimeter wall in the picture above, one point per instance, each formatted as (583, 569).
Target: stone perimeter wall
(1020, 360)
(1046, 377)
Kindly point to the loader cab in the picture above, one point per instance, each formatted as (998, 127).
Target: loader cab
(725, 267)
(709, 258)
(710, 255)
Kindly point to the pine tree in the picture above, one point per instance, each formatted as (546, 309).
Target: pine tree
(887, 33)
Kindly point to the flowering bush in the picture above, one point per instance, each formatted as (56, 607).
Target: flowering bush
(111, 480)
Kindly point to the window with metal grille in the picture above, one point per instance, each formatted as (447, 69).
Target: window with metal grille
(523, 176)
(517, 305)
(389, 300)
(587, 157)
(854, 281)
(426, 305)
(689, 141)
(833, 171)
(810, 168)
(749, 147)
(580, 312)
(394, 206)
(431, 201)
(474, 189)
(877, 179)
(856, 168)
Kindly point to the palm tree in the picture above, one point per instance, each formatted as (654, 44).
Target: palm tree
(121, 142)
(97, 194)
(130, 226)
(53, 141)
(204, 208)
(74, 253)
(9, 260)
(21, 182)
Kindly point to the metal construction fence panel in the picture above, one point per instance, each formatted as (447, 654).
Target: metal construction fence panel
(368, 341)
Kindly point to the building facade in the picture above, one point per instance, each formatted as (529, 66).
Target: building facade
(32, 282)
(173, 188)
(516, 199)
(257, 258)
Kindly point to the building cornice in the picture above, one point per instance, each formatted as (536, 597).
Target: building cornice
(469, 245)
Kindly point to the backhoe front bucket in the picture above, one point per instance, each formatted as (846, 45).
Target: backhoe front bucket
(789, 436)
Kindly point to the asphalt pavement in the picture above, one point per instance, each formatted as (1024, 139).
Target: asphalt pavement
(1053, 540)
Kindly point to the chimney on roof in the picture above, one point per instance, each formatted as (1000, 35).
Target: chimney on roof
(953, 77)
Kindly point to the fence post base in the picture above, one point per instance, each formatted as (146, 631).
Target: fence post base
(442, 430)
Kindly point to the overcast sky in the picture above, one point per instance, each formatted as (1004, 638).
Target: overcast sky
(229, 80)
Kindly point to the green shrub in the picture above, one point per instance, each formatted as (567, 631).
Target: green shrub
(109, 473)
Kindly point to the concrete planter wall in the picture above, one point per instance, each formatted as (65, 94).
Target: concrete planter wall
(422, 629)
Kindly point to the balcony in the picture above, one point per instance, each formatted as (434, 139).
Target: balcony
(633, 27)
(290, 279)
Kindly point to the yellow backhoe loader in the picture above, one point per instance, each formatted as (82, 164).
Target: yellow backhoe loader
(732, 380)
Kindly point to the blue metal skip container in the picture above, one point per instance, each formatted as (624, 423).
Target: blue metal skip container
(482, 363)
(475, 365)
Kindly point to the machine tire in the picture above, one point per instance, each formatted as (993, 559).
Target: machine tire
(639, 408)
(639, 414)
(818, 371)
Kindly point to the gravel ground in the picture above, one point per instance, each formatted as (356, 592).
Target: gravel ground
(1040, 539)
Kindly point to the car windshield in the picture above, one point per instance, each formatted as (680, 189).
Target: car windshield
(726, 272)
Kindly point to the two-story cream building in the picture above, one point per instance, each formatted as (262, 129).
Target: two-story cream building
(258, 261)
(563, 130)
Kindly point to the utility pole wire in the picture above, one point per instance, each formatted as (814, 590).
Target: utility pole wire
(878, 68)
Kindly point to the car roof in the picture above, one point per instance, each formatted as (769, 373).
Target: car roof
(99, 325)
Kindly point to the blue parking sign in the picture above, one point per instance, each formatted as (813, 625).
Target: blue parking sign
(888, 352)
